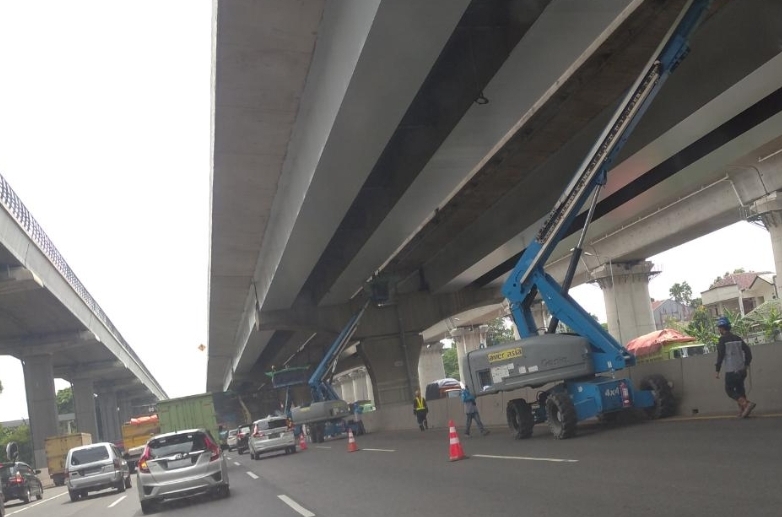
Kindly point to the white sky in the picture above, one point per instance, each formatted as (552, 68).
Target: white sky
(104, 134)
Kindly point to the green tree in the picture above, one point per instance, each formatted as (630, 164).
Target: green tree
(682, 293)
(65, 401)
(700, 327)
(20, 435)
(451, 363)
(498, 332)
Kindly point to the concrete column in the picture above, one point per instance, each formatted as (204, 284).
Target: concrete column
(84, 403)
(430, 365)
(41, 403)
(359, 384)
(125, 410)
(467, 339)
(540, 314)
(347, 389)
(109, 415)
(770, 211)
(626, 294)
(337, 385)
(370, 391)
(395, 380)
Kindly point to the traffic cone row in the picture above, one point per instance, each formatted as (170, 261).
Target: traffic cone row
(352, 447)
(457, 453)
(302, 442)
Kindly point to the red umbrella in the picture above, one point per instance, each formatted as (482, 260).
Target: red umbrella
(652, 342)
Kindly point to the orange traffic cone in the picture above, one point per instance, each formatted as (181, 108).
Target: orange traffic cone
(302, 442)
(457, 453)
(352, 447)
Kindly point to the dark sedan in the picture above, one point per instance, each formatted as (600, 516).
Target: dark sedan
(242, 438)
(20, 481)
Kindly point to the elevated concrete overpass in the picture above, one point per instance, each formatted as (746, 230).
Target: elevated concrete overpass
(426, 141)
(50, 322)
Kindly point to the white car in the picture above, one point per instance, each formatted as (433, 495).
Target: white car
(231, 440)
(270, 434)
(94, 467)
(178, 465)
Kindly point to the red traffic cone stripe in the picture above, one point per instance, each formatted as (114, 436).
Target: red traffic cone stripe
(456, 453)
(352, 447)
(302, 442)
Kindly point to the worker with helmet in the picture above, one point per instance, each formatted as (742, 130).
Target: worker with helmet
(734, 352)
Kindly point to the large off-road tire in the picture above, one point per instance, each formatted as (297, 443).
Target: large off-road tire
(74, 495)
(664, 402)
(520, 418)
(561, 415)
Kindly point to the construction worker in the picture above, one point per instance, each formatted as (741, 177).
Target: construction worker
(420, 410)
(471, 410)
(734, 352)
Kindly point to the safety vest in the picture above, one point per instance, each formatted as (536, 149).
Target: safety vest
(419, 403)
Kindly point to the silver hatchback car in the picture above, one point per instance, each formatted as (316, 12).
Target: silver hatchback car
(269, 434)
(180, 464)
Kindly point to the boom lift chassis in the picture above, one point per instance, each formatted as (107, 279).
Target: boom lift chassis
(584, 364)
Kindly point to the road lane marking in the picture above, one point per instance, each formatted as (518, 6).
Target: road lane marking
(322, 447)
(237, 463)
(380, 450)
(527, 458)
(296, 506)
(252, 475)
(115, 503)
(228, 458)
(36, 504)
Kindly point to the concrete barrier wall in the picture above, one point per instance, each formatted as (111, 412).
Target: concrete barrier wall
(696, 389)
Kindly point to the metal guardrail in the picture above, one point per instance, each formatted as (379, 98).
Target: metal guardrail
(11, 202)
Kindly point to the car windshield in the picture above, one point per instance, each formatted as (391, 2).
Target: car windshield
(176, 444)
(90, 455)
(233, 432)
(276, 423)
(245, 430)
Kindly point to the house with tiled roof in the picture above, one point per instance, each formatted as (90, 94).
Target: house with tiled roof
(739, 293)
(666, 310)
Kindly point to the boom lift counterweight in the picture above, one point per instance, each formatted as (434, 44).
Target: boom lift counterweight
(577, 360)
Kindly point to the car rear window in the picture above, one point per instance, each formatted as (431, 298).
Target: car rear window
(176, 444)
(275, 423)
(233, 432)
(7, 471)
(245, 430)
(93, 454)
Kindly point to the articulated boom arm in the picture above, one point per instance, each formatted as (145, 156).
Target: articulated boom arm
(321, 389)
(528, 278)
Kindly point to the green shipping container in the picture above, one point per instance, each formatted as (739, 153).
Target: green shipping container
(215, 412)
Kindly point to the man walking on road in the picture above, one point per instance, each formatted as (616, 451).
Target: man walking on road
(737, 357)
(471, 410)
(420, 410)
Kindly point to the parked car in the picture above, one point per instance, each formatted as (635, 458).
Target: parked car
(2, 505)
(95, 467)
(273, 433)
(178, 465)
(242, 438)
(20, 481)
(231, 440)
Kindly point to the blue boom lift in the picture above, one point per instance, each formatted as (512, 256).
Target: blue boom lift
(584, 365)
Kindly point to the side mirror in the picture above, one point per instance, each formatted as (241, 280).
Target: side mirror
(37, 471)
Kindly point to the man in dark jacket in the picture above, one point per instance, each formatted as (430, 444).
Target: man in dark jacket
(420, 410)
(734, 352)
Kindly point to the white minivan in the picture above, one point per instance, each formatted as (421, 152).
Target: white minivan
(94, 467)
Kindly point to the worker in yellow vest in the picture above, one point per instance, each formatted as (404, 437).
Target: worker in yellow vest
(420, 410)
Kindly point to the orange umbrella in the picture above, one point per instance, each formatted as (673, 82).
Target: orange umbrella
(652, 342)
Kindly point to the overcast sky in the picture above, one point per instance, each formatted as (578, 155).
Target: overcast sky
(105, 136)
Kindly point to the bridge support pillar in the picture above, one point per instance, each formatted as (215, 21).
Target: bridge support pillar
(41, 403)
(430, 365)
(359, 378)
(625, 288)
(770, 211)
(125, 410)
(393, 365)
(84, 403)
(109, 416)
(467, 339)
(347, 389)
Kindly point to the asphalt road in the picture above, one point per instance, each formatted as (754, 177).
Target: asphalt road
(714, 467)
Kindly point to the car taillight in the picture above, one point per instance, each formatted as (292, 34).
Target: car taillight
(19, 478)
(142, 461)
(213, 448)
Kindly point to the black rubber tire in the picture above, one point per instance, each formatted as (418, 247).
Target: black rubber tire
(120, 486)
(147, 507)
(240, 451)
(39, 495)
(520, 418)
(561, 415)
(128, 482)
(74, 496)
(664, 402)
(27, 496)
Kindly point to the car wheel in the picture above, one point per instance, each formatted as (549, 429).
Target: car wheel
(74, 496)
(27, 496)
(223, 491)
(121, 486)
(147, 507)
(39, 495)
(128, 483)
(240, 451)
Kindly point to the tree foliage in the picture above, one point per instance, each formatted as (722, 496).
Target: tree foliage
(20, 435)
(499, 332)
(451, 363)
(65, 401)
(681, 292)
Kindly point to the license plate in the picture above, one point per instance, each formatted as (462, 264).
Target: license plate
(178, 464)
(274, 435)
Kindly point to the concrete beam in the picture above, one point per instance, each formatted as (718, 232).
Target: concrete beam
(92, 370)
(47, 343)
(18, 280)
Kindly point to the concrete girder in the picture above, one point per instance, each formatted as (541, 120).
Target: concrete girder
(93, 370)
(18, 243)
(18, 280)
(47, 343)
(361, 56)
(119, 385)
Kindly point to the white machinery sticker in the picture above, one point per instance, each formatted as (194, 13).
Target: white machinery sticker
(533, 369)
(498, 373)
(522, 369)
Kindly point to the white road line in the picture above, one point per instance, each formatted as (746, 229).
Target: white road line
(296, 506)
(252, 475)
(237, 463)
(228, 458)
(36, 504)
(380, 450)
(554, 460)
(322, 447)
(115, 503)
